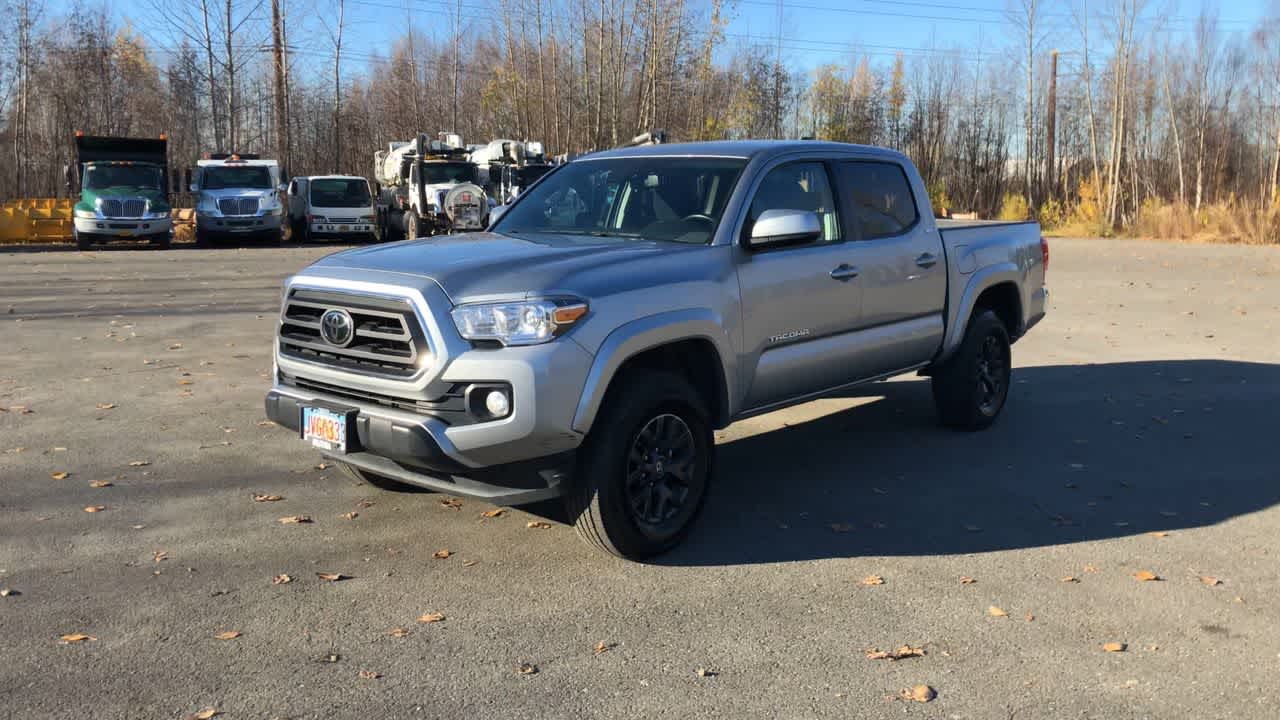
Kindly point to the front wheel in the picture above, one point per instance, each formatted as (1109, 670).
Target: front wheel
(970, 389)
(644, 470)
(83, 241)
(412, 226)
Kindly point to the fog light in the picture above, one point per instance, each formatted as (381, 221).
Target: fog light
(497, 403)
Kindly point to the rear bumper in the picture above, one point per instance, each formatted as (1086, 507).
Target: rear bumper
(416, 450)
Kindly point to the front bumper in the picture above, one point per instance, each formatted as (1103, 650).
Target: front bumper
(238, 224)
(123, 227)
(342, 229)
(416, 450)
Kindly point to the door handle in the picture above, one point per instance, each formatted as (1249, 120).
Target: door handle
(844, 272)
(927, 260)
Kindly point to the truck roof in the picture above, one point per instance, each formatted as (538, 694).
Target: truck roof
(332, 177)
(234, 163)
(744, 149)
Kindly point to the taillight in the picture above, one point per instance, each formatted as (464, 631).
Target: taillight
(1044, 253)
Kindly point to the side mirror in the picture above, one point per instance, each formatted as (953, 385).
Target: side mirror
(495, 213)
(282, 187)
(784, 227)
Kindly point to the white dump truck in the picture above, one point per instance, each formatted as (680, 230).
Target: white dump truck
(508, 167)
(428, 187)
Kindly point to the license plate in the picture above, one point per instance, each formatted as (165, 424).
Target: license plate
(126, 233)
(343, 228)
(325, 429)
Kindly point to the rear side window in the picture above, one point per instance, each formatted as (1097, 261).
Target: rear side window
(879, 198)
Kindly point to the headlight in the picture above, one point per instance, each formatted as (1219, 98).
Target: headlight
(87, 214)
(518, 323)
(157, 214)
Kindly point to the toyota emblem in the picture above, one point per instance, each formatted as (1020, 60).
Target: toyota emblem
(336, 327)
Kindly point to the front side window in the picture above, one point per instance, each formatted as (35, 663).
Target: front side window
(798, 186)
(880, 198)
(98, 177)
(230, 176)
(673, 199)
(340, 192)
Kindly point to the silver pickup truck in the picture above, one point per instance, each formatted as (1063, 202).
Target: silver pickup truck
(630, 303)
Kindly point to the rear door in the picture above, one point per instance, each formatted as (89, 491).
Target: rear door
(903, 270)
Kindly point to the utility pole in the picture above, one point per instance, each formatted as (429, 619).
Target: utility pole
(1051, 122)
(277, 61)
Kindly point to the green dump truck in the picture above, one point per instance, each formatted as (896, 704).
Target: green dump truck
(123, 190)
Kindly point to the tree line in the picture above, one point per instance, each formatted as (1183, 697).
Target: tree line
(1083, 111)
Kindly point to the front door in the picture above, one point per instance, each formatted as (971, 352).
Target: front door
(800, 302)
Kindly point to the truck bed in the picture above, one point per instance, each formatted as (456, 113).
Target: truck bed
(944, 224)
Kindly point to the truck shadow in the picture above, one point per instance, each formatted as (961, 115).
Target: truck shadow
(1082, 452)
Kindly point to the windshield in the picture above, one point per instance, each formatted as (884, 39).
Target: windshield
(245, 176)
(676, 199)
(340, 192)
(436, 173)
(98, 177)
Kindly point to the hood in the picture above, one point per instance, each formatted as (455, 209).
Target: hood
(239, 192)
(488, 266)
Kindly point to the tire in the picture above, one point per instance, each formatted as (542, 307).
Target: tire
(204, 239)
(161, 241)
(84, 243)
(646, 410)
(971, 388)
(381, 482)
(412, 225)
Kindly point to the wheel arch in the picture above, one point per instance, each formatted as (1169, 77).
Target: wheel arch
(690, 342)
(994, 288)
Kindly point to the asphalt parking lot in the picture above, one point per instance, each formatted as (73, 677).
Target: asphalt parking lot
(1140, 437)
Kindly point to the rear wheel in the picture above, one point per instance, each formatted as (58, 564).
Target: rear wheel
(412, 225)
(644, 470)
(970, 389)
(203, 239)
(379, 481)
(160, 241)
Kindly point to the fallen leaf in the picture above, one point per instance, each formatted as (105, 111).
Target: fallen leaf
(919, 693)
(906, 651)
(496, 512)
(263, 497)
(364, 504)
(841, 527)
(1071, 579)
(95, 508)
(228, 635)
(469, 563)
(332, 577)
(175, 346)
(106, 406)
(994, 611)
(705, 673)
(60, 475)
(281, 579)
(99, 483)
(139, 463)
(329, 658)
(185, 382)
(966, 580)
(159, 555)
(434, 617)
(538, 525)
(6, 592)
(1115, 647)
(294, 520)
(349, 515)
(872, 580)
(1145, 576)
(1210, 581)
(265, 423)
(1091, 568)
(204, 714)
(451, 503)
(77, 637)
(601, 647)
(442, 554)
(400, 632)
(1158, 534)
(1029, 617)
(527, 669)
(369, 675)
(322, 466)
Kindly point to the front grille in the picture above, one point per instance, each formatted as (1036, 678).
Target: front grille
(387, 338)
(238, 206)
(342, 220)
(124, 207)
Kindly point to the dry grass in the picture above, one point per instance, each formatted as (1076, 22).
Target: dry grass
(1222, 223)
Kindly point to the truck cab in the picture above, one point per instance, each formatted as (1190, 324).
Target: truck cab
(123, 190)
(238, 196)
(332, 206)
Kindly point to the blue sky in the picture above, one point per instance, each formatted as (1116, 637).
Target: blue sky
(813, 31)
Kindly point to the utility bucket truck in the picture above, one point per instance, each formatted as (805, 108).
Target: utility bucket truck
(508, 167)
(428, 187)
